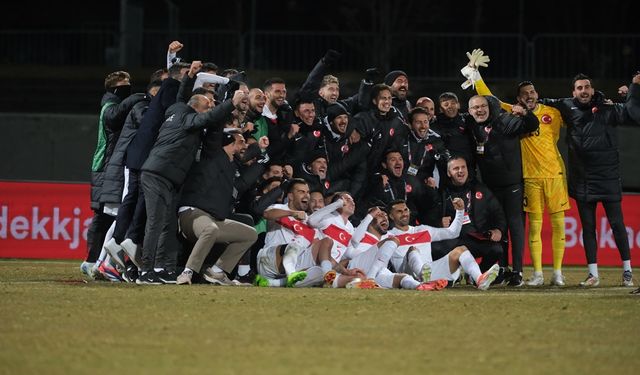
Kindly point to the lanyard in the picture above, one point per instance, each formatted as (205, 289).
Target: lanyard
(424, 154)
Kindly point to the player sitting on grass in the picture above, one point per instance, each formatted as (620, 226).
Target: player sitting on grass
(413, 256)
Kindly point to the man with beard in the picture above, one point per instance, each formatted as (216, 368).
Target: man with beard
(290, 251)
(594, 164)
(423, 150)
(427, 104)
(399, 83)
(371, 249)
(346, 161)
(414, 255)
(275, 92)
(545, 183)
(207, 200)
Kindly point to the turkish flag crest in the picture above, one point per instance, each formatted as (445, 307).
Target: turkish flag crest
(478, 195)
(316, 133)
(344, 149)
(546, 119)
(414, 238)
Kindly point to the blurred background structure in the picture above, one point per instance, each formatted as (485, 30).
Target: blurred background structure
(55, 56)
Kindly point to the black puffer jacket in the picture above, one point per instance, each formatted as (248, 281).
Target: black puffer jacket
(457, 137)
(114, 172)
(594, 164)
(501, 162)
(485, 211)
(179, 138)
(382, 132)
(112, 117)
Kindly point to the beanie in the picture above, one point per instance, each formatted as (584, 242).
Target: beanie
(335, 110)
(392, 76)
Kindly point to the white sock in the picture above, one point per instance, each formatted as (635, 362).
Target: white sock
(326, 266)
(557, 272)
(159, 269)
(537, 273)
(626, 265)
(276, 282)
(382, 258)
(593, 269)
(187, 269)
(315, 277)
(409, 282)
(243, 269)
(415, 262)
(469, 265)
(215, 268)
(290, 258)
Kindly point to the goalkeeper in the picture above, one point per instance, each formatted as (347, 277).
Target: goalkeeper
(545, 183)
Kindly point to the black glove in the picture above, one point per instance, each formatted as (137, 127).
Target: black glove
(371, 75)
(285, 114)
(331, 57)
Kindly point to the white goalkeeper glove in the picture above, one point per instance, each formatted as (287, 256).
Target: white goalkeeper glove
(477, 58)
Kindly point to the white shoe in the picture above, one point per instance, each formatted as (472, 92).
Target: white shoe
(557, 280)
(627, 278)
(536, 280)
(87, 270)
(590, 281)
(132, 251)
(115, 251)
(485, 280)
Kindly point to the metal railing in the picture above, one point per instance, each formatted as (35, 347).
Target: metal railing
(423, 55)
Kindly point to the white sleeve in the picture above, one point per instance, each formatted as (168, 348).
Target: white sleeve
(439, 234)
(170, 57)
(316, 218)
(203, 77)
(360, 231)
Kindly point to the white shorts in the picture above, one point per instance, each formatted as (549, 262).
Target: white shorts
(267, 266)
(440, 270)
(365, 260)
(385, 278)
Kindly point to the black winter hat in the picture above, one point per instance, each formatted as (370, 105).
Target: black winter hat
(335, 110)
(392, 76)
(316, 154)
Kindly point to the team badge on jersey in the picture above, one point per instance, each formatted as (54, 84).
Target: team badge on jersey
(428, 147)
(344, 149)
(326, 185)
(478, 195)
(392, 131)
(316, 133)
(546, 119)
(408, 188)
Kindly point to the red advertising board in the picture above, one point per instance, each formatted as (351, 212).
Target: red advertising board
(608, 254)
(44, 220)
(50, 220)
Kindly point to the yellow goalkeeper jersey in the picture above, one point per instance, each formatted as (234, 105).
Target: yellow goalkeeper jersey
(540, 155)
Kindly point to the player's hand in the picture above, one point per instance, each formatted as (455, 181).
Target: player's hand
(354, 137)
(446, 221)
(458, 204)
(431, 182)
(194, 68)
(175, 46)
(477, 58)
(496, 235)
(299, 215)
(518, 110)
(623, 90)
(263, 142)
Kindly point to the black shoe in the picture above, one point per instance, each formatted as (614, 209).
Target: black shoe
(503, 276)
(131, 274)
(636, 291)
(167, 277)
(516, 279)
(149, 278)
(249, 278)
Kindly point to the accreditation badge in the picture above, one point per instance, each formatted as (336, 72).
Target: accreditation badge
(413, 170)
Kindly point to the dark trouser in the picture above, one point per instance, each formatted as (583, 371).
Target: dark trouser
(510, 197)
(139, 220)
(127, 208)
(489, 251)
(96, 234)
(587, 211)
(160, 243)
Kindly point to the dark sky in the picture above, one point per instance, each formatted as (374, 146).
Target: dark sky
(464, 16)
